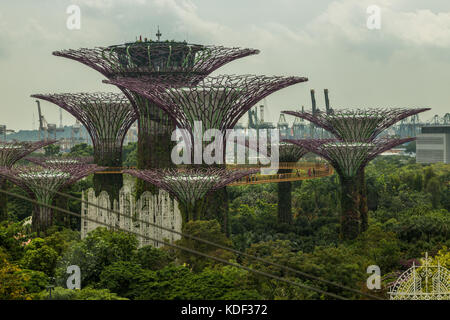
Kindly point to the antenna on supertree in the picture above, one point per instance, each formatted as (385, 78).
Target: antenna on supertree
(190, 186)
(10, 153)
(356, 125)
(349, 159)
(175, 63)
(42, 184)
(107, 118)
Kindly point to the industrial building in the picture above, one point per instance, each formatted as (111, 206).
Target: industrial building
(433, 144)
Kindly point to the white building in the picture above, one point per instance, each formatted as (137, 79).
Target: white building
(433, 145)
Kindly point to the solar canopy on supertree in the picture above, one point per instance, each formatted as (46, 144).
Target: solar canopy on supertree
(42, 183)
(349, 159)
(357, 125)
(106, 116)
(157, 60)
(10, 153)
(190, 186)
(218, 102)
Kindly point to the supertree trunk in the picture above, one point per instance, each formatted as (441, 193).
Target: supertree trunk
(154, 141)
(284, 201)
(108, 156)
(363, 207)
(350, 204)
(3, 201)
(42, 219)
(216, 207)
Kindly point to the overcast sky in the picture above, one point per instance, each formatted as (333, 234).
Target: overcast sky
(406, 63)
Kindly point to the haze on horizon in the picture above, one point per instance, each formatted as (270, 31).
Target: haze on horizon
(404, 64)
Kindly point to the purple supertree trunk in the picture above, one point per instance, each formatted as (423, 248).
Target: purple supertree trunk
(43, 183)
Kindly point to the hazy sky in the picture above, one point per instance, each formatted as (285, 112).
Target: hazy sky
(404, 64)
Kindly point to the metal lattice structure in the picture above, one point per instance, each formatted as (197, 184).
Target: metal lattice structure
(425, 282)
(42, 183)
(11, 152)
(357, 125)
(157, 60)
(106, 116)
(219, 102)
(348, 158)
(189, 186)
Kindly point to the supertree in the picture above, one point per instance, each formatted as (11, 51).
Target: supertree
(217, 102)
(349, 159)
(42, 184)
(107, 118)
(60, 163)
(190, 186)
(175, 63)
(10, 153)
(358, 125)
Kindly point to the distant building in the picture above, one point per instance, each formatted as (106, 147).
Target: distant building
(433, 144)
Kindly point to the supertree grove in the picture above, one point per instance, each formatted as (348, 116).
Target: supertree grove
(10, 153)
(42, 183)
(107, 118)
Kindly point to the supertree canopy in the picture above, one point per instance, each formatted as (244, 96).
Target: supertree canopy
(157, 59)
(357, 125)
(42, 183)
(190, 186)
(349, 159)
(218, 102)
(107, 118)
(10, 153)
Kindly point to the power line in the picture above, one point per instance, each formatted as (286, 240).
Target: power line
(286, 268)
(179, 247)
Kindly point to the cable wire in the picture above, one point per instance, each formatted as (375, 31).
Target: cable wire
(286, 268)
(180, 247)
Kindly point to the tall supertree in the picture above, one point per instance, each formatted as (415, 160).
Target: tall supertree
(107, 118)
(190, 186)
(10, 153)
(218, 102)
(42, 183)
(175, 63)
(358, 125)
(349, 159)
